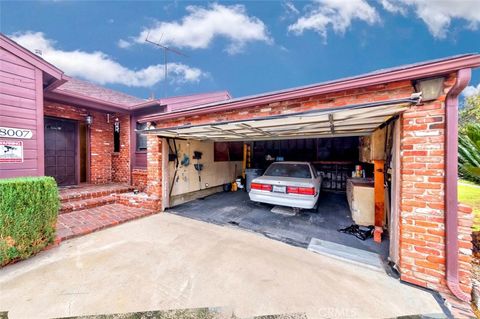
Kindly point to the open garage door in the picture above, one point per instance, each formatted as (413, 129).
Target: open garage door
(331, 139)
(351, 120)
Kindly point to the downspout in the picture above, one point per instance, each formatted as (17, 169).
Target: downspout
(451, 180)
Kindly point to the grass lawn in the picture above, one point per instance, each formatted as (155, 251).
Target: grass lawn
(470, 195)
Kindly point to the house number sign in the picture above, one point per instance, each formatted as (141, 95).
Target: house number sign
(11, 132)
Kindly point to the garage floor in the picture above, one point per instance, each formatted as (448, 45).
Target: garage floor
(235, 209)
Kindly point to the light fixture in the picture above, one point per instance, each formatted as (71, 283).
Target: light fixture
(431, 88)
(116, 125)
(89, 119)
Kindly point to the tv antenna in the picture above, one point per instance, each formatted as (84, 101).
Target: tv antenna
(165, 53)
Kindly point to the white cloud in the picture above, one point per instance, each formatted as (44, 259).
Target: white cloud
(393, 7)
(335, 14)
(290, 7)
(123, 44)
(438, 15)
(198, 29)
(100, 68)
(471, 90)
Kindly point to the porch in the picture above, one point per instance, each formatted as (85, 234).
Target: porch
(87, 208)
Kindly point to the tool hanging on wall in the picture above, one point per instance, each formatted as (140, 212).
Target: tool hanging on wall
(175, 156)
(186, 160)
(198, 167)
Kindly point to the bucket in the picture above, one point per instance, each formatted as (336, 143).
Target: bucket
(238, 181)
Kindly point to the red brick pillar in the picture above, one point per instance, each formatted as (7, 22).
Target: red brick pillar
(154, 166)
(422, 208)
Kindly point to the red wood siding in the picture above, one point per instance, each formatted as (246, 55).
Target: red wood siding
(21, 102)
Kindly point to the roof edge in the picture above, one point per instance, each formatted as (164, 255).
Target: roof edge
(164, 101)
(29, 57)
(85, 101)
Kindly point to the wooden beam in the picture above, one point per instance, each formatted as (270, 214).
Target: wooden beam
(379, 166)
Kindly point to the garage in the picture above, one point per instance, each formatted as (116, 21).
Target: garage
(345, 146)
(396, 128)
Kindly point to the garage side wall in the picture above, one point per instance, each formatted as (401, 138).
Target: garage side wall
(154, 166)
(213, 173)
(422, 227)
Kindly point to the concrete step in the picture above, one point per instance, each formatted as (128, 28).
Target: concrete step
(76, 205)
(83, 192)
(349, 254)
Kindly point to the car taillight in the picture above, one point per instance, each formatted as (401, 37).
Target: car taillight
(301, 190)
(261, 187)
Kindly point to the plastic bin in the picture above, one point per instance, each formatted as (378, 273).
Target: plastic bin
(250, 174)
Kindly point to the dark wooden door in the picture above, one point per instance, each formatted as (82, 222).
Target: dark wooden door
(61, 150)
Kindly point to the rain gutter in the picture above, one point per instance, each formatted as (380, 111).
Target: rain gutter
(451, 180)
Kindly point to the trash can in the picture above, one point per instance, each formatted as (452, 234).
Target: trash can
(250, 174)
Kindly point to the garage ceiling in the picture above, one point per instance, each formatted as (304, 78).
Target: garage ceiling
(353, 120)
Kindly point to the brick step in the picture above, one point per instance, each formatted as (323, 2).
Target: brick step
(76, 205)
(92, 191)
(78, 223)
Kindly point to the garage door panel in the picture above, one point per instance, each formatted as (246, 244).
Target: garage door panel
(345, 121)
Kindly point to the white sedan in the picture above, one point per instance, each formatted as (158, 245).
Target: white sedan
(292, 184)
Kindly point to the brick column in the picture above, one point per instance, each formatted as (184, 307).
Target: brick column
(154, 166)
(422, 219)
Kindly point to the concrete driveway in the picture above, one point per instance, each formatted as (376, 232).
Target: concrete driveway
(167, 261)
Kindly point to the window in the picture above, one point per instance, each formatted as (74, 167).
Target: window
(289, 170)
(141, 139)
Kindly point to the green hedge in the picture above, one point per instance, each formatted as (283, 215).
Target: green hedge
(28, 215)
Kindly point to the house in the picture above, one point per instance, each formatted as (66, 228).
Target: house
(78, 132)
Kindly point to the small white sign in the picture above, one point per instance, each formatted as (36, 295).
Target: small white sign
(11, 151)
(12, 132)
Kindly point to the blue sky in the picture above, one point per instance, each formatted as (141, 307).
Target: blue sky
(243, 47)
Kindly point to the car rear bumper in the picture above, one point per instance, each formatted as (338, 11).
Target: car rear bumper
(297, 201)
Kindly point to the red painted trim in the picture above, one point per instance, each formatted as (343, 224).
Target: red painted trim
(429, 69)
(55, 84)
(33, 59)
(40, 127)
(133, 143)
(77, 153)
(451, 180)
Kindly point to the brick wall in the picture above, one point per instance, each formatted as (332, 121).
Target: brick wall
(154, 166)
(422, 230)
(103, 169)
(121, 160)
(337, 99)
(139, 179)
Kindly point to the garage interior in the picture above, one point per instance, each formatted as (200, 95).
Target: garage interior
(346, 145)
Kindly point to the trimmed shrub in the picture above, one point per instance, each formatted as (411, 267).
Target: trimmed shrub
(28, 216)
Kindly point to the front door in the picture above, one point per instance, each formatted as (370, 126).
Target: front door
(61, 150)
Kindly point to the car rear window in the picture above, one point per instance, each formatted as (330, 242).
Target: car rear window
(288, 170)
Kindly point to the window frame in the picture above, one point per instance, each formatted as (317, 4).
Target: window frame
(140, 126)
